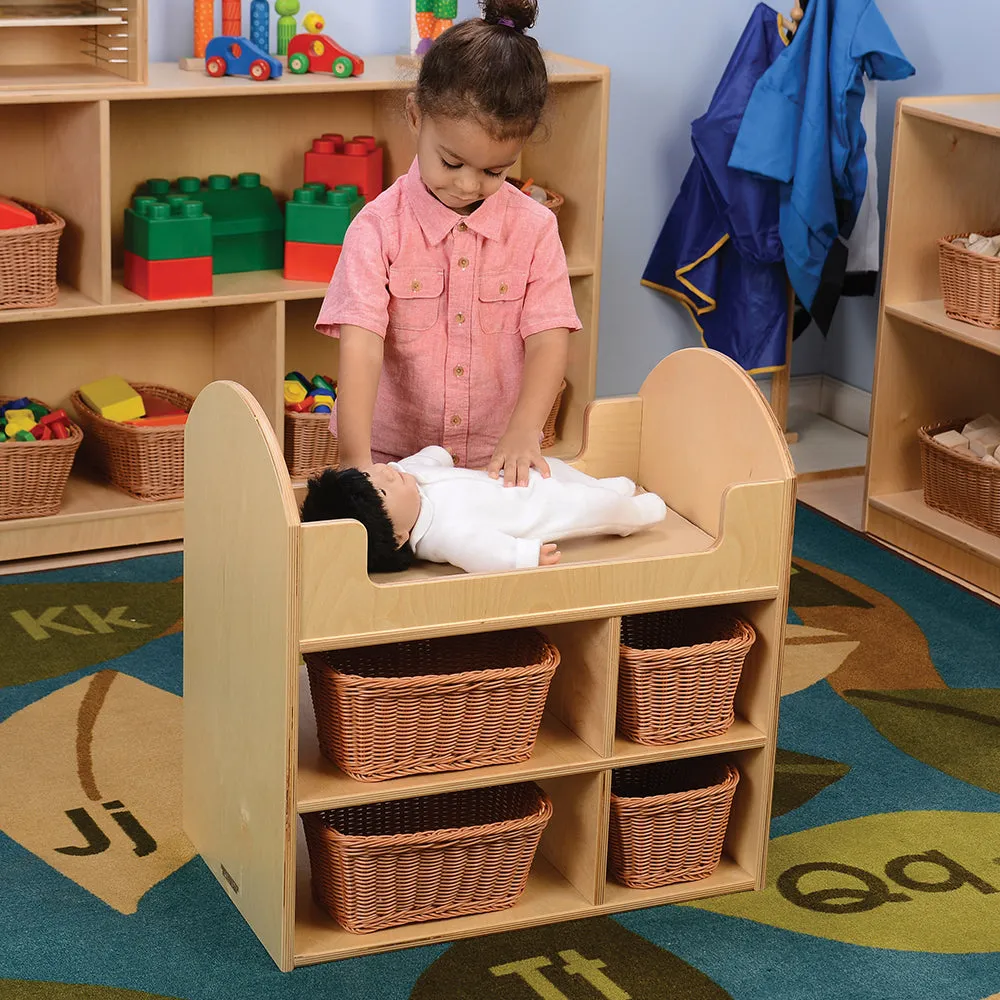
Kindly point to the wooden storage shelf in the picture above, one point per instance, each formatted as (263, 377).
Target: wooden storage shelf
(64, 46)
(251, 760)
(83, 151)
(929, 367)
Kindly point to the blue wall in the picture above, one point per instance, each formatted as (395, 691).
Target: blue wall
(666, 57)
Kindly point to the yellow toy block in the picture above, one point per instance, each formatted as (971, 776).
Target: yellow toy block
(113, 398)
(21, 417)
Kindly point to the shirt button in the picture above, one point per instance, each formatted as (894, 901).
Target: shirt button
(503, 289)
(463, 262)
(456, 420)
(459, 371)
(415, 286)
(460, 318)
(463, 228)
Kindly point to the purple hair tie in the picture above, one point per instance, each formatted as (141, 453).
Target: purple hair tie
(506, 22)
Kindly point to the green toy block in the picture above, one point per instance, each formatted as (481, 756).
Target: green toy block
(446, 10)
(247, 227)
(321, 216)
(425, 6)
(173, 229)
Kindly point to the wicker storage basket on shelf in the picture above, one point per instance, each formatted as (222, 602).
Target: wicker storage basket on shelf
(33, 474)
(28, 258)
(431, 704)
(958, 483)
(970, 283)
(678, 672)
(668, 821)
(309, 446)
(145, 462)
(553, 202)
(430, 858)
(549, 430)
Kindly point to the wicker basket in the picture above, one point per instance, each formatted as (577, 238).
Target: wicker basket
(390, 863)
(28, 258)
(549, 430)
(957, 483)
(668, 821)
(310, 448)
(970, 283)
(433, 704)
(553, 203)
(677, 674)
(33, 474)
(145, 462)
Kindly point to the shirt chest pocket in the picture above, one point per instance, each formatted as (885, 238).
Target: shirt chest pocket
(501, 298)
(415, 295)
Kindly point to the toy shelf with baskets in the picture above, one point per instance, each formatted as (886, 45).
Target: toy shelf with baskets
(252, 765)
(930, 367)
(82, 152)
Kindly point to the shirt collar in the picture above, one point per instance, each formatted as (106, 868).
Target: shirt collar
(437, 220)
(423, 521)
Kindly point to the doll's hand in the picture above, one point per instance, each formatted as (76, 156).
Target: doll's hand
(549, 555)
(516, 453)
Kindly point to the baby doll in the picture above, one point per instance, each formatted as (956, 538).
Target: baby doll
(423, 507)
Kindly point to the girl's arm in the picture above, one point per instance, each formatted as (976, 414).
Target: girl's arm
(357, 384)
(519, 449)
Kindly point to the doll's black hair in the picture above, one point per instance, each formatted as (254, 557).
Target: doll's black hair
(349, 493)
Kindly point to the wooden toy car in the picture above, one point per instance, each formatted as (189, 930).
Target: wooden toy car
(231, 55)
(315, 53)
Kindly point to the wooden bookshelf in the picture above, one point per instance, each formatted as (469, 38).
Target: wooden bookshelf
(82, 151)
(929, 367)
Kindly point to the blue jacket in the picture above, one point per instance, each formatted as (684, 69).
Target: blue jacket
(802, 127)
(720, 249)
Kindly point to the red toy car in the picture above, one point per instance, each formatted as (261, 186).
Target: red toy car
(314, 53)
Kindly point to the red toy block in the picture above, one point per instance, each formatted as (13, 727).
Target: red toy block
(15, 216)
(187, 278)
(333, 162)
(311, 261)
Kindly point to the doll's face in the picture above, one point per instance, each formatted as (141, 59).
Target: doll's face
(400, 497)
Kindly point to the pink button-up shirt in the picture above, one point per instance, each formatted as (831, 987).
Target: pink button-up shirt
(454, 298)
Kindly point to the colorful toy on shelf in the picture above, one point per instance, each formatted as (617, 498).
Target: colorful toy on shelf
(260, 24)
(15, 216)
(247, 226)
(314, 52)
(333, 162)
(204, 26)
(316, 221)
(232, 17)
(286, 11)
(431, 18)
(26, 421)
(159, 413)
(233, 55)
(113, 398)
(303, 396)
(168, 245)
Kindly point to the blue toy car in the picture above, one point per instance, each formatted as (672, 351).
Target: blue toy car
(234, 56)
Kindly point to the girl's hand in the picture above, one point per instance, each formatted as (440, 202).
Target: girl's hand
(549, 555)
(516, 453)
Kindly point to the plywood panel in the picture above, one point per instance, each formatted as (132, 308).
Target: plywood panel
(249, 349)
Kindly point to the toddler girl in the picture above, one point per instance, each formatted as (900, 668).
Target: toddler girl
(452, 299)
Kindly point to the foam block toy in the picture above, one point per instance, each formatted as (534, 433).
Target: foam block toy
(15, 216)
(113, 398)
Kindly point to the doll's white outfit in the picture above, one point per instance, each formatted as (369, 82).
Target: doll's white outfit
(476, 523)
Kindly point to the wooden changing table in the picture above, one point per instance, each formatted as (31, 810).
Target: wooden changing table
(261, 588)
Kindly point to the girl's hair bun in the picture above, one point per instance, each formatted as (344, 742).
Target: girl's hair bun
(521, 14)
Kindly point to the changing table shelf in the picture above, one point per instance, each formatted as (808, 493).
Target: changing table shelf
(252, 766)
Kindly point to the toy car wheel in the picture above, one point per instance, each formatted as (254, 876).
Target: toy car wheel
(298, 63)
(342, 67)
(216, 66)
(260, 69)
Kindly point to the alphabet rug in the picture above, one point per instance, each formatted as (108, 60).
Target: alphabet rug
(883, 879)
